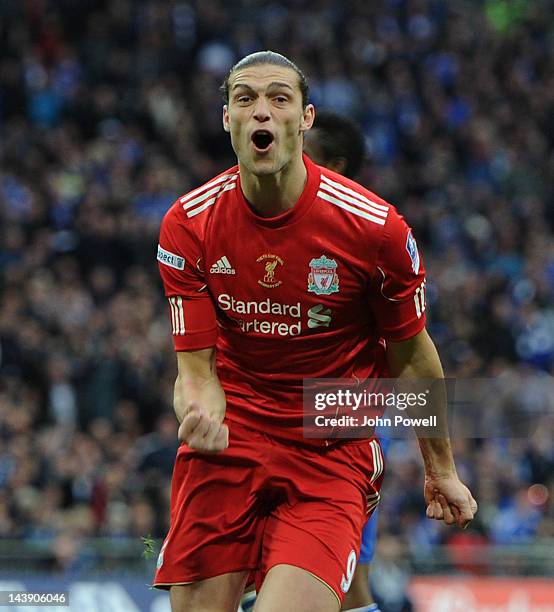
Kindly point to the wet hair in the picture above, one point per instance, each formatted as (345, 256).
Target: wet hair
(338, 136)
(267, 57)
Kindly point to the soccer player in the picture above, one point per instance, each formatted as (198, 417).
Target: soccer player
(337, 143)
(277, 271)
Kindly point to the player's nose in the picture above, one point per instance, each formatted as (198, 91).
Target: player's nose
(261, 110)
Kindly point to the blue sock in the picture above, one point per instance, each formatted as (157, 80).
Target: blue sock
(247, 602)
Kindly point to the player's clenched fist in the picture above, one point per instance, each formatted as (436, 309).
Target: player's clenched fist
(204, 433)
(449, 500)
(199, 402)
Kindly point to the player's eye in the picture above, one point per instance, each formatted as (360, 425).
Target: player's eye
(243, 99)
(281, 99)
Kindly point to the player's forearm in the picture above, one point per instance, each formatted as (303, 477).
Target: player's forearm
(204, 394)
(197, 385)
(417, 359)
(437, 457)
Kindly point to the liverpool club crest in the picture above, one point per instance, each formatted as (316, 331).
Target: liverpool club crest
(323, 278)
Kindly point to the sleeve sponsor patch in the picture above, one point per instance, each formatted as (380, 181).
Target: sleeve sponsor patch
(411, 247)
(170, 259)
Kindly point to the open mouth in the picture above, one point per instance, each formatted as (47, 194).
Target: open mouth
(262, 140)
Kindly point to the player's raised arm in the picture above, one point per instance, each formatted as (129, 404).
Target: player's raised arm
(199, 402)
(446, 496)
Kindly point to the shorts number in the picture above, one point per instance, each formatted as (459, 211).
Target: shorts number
(346, 581)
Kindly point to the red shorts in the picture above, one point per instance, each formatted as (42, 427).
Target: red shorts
(263, 502)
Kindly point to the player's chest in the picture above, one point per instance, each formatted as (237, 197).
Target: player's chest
(285, 266)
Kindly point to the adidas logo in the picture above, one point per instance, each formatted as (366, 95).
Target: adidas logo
(222, 266)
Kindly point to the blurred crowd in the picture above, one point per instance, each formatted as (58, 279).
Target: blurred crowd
(111, 109)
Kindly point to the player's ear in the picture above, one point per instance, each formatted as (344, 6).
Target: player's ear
(308, 118)
(226, 125)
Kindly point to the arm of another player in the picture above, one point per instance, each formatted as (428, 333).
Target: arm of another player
(446, 496)
(199, 402)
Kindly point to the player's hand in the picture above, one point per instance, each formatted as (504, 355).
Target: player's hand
(204, 433)
(449, 500)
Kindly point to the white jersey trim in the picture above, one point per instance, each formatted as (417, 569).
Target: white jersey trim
(383, 284)
(208, 185)
(378, 463)
(190, 203)
(177, 316)
(354, 194)
(372, 502)
(344, 205)
(206, 203)
(346, 198)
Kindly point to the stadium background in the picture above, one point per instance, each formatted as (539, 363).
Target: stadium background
(108, 111)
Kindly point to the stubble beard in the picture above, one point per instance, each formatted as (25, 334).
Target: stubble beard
(267, 167)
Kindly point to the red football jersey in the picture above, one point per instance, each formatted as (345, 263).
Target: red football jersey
(307, 294)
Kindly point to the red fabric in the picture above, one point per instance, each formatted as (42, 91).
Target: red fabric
(199, 316)
(250, 276)
(263, 502)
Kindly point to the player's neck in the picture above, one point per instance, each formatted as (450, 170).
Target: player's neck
(274, 194)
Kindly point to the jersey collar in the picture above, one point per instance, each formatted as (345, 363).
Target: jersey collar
(304, 203)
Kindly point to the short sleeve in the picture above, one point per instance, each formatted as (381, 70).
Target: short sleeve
(193, 318)
(397, 287)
